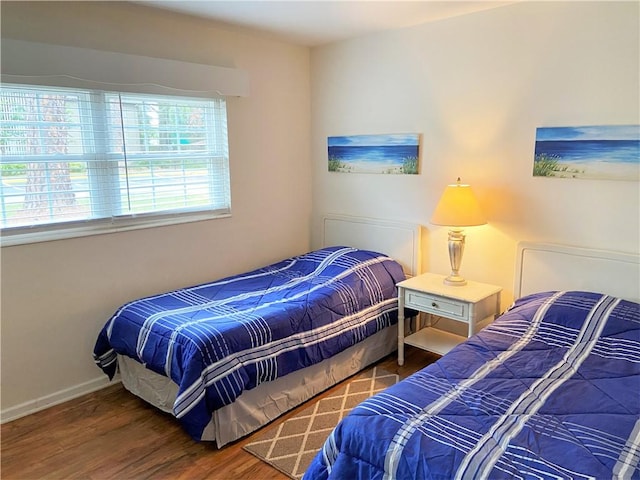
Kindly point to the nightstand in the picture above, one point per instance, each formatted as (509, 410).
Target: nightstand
(475, 304)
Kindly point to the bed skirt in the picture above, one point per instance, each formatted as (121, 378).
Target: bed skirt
(257, 407)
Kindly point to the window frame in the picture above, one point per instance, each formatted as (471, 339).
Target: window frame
(118, 222)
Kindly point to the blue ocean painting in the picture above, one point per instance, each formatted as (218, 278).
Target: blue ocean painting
(609, 152)
(389, 153)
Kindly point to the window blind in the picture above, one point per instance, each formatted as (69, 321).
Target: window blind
(73, 157)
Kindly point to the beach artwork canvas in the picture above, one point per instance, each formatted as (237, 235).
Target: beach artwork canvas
(389, 153)
(594, 152)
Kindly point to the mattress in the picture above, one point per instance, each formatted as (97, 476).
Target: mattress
(551, 389)
(256, 408)
(219, 339)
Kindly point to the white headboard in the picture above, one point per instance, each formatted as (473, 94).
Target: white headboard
(399, 240)
(546, 266)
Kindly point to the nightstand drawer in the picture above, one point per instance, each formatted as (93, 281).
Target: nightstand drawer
(434, 304)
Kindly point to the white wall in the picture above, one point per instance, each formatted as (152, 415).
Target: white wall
(57, 295)
(476, 87)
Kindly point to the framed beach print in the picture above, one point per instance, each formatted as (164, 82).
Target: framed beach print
(389, 153)
(610, 152)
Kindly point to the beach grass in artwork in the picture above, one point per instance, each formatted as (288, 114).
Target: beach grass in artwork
(595, 152)
(389, 153)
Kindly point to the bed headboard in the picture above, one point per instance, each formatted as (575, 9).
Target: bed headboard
(399, 240)
(546, 266)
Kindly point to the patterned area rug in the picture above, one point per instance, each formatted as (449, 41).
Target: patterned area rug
(291, 446)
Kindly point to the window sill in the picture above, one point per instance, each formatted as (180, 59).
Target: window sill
(101, 227)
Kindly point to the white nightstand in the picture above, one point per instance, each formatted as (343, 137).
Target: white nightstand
(475, 304)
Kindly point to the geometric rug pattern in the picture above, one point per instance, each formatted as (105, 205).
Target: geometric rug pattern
(291, 446)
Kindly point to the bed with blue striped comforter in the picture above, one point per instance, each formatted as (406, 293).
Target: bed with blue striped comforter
(551, 389)
(218, 339)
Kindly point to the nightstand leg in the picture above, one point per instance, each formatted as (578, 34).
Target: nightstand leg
(400, 326)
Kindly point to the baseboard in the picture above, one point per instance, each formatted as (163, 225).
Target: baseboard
(42, 403)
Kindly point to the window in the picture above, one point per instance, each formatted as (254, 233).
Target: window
(87, 160)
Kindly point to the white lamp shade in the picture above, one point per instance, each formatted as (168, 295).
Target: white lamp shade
(458, 207)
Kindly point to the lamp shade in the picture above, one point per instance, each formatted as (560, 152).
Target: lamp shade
(458, 207)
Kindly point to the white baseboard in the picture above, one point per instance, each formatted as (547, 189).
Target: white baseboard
(42, 403)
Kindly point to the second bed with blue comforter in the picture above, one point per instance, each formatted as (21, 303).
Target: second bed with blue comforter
(218, 339)
(550, 390)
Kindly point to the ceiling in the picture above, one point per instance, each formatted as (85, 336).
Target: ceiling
(313, 23)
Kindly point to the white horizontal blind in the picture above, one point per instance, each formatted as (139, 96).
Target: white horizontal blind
(71, 155)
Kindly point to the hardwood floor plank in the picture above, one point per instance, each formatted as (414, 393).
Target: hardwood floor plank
(111, 434)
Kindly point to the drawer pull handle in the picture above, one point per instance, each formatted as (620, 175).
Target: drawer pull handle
(434, 304)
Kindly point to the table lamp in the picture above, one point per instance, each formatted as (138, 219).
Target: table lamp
(458, 207)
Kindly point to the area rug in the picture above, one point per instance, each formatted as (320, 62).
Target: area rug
(291, 445)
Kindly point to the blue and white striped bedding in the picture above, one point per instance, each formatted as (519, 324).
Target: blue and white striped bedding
(550, 390)
(221, 338)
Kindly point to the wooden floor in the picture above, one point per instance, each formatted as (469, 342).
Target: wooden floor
(111, 434)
